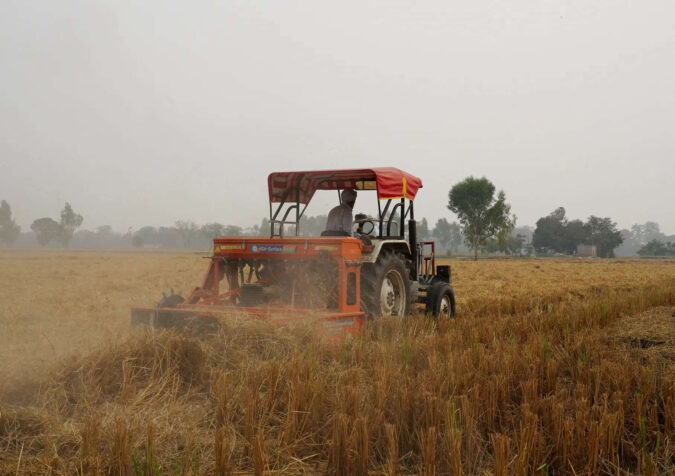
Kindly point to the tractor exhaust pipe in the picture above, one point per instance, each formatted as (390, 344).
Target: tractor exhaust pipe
(412, 237)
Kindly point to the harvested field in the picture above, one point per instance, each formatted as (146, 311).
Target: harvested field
(551, 367)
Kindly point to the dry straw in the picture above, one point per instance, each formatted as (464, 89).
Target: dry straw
(523, 385)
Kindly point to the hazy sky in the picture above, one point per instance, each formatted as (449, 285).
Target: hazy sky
(146, 112)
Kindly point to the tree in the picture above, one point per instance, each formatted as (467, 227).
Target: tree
(422, 228)
(555, 233)
(511, 245)
(456, 237)
(186, 231)
(46, 230)
(70, 221)
(603, 234)
(481, 214)
(264, 229)
(550, 231)
(312, 225)
(491, 245)
(575, 233)
(212, 230)
(449, 235)
(137, 241)
(233, 230)
(441, 232)
(657, 248)
(515, 244)
(9, 230)
(147, 234)
(638, 236)
(649, 231)
(104, 230)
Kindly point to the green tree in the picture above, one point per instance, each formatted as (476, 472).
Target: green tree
(647, 232)
(602, 233)
(555, 233)
(480, 213)
(516, 244)
(513, 244)
(449, 235)
(70, 221)
(9, 230)
(187, 231)
(264, 229)
(550, 231)
(456, 237)
(657, 248)
(575, 233)
(233, 230)
(422, 228)
(491, 245)
(46, 230)
(212, 230)
(441, 232)
(510, 245)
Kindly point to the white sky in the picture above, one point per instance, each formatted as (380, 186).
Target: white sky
(143, 113)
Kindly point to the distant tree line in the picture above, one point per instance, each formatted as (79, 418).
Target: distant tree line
(46, 230)
(658, 248)
(646, 240)
(556, 234)
(485, 226)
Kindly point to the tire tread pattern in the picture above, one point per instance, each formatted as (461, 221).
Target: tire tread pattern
(372, 276)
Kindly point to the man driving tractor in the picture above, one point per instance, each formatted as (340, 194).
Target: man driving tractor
(340, 218)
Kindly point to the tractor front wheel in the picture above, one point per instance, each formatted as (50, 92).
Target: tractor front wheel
(385, 287)
(440, 300)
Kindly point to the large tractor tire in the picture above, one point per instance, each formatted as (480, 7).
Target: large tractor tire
(385, 287)
(440, 300)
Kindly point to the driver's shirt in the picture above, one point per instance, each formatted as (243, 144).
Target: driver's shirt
(340, 219)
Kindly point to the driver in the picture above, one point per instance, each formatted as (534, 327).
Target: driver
(340, 218)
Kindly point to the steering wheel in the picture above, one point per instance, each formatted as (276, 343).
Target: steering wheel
(362, 220)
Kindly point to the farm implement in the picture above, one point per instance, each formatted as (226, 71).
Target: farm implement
(336, 280)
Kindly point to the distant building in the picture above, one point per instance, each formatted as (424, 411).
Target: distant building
(586, 251)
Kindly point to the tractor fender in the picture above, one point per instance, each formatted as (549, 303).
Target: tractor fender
(398, 246)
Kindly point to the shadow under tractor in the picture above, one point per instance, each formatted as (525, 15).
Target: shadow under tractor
(338, 281)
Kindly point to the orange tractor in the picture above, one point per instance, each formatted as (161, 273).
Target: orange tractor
(339, 281)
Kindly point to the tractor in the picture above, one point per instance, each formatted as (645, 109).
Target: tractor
(336, 279)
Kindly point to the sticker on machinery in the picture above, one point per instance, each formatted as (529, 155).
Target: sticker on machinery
(229, 247)
(272, 249)
(325, 247)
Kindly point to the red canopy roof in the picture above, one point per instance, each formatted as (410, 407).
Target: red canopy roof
(389, 182)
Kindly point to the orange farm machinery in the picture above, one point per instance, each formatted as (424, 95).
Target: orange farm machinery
(337, 281)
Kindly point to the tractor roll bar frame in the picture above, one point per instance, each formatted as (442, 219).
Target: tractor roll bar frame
(299, 212)
(400, 206)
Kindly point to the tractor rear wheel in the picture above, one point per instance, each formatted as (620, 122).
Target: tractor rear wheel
(385, 287)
